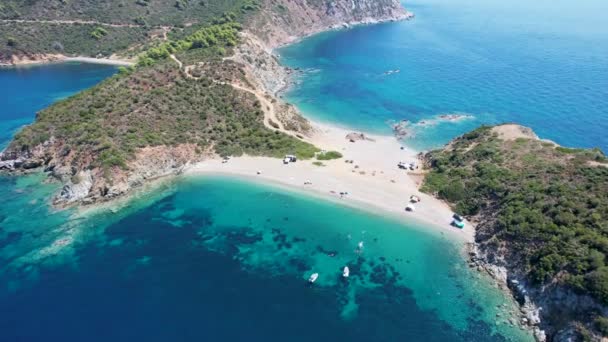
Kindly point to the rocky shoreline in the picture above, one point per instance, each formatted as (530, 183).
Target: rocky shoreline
(534, 303)
(32, 59)
(405, 15)
(553, 310)
(529, 313)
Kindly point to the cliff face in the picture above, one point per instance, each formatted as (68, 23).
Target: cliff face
(284, 21)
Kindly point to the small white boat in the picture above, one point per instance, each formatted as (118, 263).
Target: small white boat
(360, 245)
(410, 207)
(345, 272)
(313, 277)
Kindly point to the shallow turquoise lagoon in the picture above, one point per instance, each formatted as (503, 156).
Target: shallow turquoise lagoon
(198, 257)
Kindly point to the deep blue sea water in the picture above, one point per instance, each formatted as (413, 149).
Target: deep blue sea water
(219, 259)
(222, 259)
(26, 90)
(543, 64)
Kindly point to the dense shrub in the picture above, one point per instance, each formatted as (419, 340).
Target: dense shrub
(548, 204)
(329, 155)
(218, 35)
(88, 40)
(92, 39)
(601, 324)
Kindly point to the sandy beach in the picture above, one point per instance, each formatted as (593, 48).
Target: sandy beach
(107, 61)
(58, 58)
(373, 181)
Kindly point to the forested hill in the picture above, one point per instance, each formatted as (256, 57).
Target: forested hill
(150, 12)
(542, 211)
(39, 29)
(30, 29)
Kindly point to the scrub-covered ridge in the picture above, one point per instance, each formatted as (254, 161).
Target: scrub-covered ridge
(541, 212)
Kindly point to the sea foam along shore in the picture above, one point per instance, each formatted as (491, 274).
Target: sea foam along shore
(372, 181)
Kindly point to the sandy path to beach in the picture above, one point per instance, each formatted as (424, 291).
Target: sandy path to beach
(68, 22)
(373, 181)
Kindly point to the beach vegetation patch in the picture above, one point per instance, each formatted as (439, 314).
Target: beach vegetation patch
(601, 324)
(329, 155)
(12, 42)
(99, 32)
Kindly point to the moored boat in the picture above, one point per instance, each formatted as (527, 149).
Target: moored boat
(313, 277)
(345, 272)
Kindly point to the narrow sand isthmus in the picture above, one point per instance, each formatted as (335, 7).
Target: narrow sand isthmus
(373, 181)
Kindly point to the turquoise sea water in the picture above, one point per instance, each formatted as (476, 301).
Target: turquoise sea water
(542, 63)
(222, 259)
(195, 261)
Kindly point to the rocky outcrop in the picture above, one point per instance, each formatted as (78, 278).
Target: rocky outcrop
(529, 314)
(496, 184)
(283, 21)
(263, 67)
(550, 311)
(31, 58)
(268, 77)
(89, 185)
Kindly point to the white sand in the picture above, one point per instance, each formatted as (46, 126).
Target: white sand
(107, 61)
(382, 188)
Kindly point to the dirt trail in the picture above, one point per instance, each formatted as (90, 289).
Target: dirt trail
(268, 108)
(68, 22)
(166, 30)
(181, 65)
